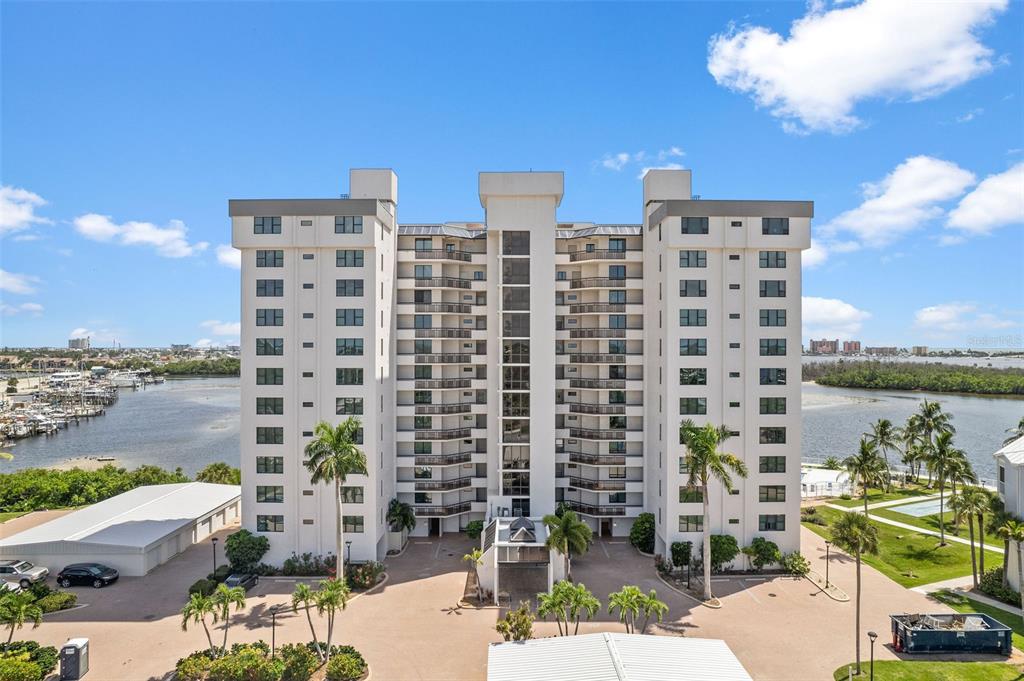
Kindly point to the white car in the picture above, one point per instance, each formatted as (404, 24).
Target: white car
(22, 572)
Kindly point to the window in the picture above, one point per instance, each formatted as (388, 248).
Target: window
(684, 468)
(348, 317)
(774, 225)
(269, 376)
(515, 243)
(617, 321)
(348, 346)
(515, 325)
(348, 377)
(270, 494)
(270, 317)
(270, 346)
(773, 377)
(352, 523)
(771, 523)
(689, 406)
(771, 493)
(773, 405)
(266, 225)
(307, 344)
(348, 405)
(617, 498)
(515, 271)
(693, 377)
(307, 315)
(734, 374)
(771, 464)
(270, 288)
(693, 346)
(307, 286)
(734, 257)
(516, 378)
(693, 288)
(616, 347)
(773, 288)
(270, 523)
(616, 244)
(267, 435)
(517, 298)
(693, 317)
(773, 317)
(616, 271)
(734, 346)
(774, 259)
(616, 297)
(349, 258)
(269, 258)
(515, 404)
(269, 405)
(270, 464)
(773, 347)
(307, 256)
(348, 224)
(734, 287)
(690, 495)
(774, 435)
(695, 225)
(348, 287)
(515, 352)
(691, 523)
(352, 495)
(693, 258)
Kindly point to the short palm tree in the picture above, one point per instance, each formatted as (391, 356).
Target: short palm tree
(706, 462)
(305, 597)
(401, 516)
(943, 457)
(959, 471)
(331, 457)
(475, 558)
(17, 609)
(1015, 432)
(629, 602)
(971, 503)
(223, 598)
(832, 463)
(866, 467)
(198, 608)
(650, 605)
(567, 534)
(568, 603)
(885, 436)
(552, 604)
(855, 534)
(330, 598)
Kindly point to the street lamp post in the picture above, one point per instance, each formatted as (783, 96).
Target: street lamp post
(872, 635)
(214, 542)
(348, 552)
(828, 545)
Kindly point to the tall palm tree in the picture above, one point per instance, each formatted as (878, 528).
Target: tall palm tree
(629, 602)
(18, 608)
(867, 467)
(971, 502)
(1007, 532)
(885, 436)
(331, 457)
(223, 598)
(985, 503)
(306, 598)
(943, 454)
(959, 470)
(958, 503)
(855, 534)
(913, 449)
(332, 596)
(706, 462)
(567, 535)
(198, 608)
(1015, 432)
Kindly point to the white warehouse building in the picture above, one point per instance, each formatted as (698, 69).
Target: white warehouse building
(133, 532)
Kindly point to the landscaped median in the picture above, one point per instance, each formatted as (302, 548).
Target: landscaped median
(912, 670)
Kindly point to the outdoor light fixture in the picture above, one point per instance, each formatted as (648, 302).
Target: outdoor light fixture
(872, 635)
(214, 540)
(828, 545)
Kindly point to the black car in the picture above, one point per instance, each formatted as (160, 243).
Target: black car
(92, 574)
(245, 581)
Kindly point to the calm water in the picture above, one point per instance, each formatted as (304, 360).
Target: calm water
(192, 422)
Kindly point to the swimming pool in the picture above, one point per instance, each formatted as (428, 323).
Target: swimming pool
(920, 509)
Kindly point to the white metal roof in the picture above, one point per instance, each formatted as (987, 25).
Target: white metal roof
(614, 657)
(1014, 452)
(134, 519)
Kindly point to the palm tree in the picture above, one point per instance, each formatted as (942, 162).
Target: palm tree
(970, 502)
(959, 470)
(475, 558)
(401, 516)
(220, 473)
(331, 597)
(567, 535)
(18, 608)
(553, 604)
(223, 598)
(985, 499)
(197, 609)
(855, 534)
(306, 597)
(650, 605)
(331, 457)
(1008, 531)
(706, 462)
(943, 454)
(628, 601)
(867, 467)
(579, 601)
(832, 463)
(884, 436)
(1015, 432)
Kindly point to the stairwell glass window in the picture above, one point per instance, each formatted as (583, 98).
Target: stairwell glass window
(773, 259)
(690, 495)
(693, 406)
(269, 405)
(269, 258)
(693, 258)
(773, 405)
(348, 224)
(771, 493)
(266, 225)
(771, 523)
(352, 523)
(773, 347)
(771, 464)
(348, 346)
(694, 317)
(351, 406)
(691, 523)
(694, 225)
(269, 376)
(693, 346)
(270, 523)
(269, 317)
(269, 435)
(348, 258)
(772, 288)
(270, 288)
(773, 377)
(348, 376)
(775, 226)
(348, 317)
(348, 288)
(270, 494)
(693, 288)
(515, 243)
(773, 317)
(352, 495)
(270, 346)
(270, 464)
(693, 376)
(772, 435)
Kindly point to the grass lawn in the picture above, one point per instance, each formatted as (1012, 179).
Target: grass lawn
(877, 495)
(962, 603)
(11, 515)
(931, 522)
(903, 670)
(908, 558)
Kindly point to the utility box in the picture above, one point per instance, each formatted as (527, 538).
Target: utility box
(74, 659)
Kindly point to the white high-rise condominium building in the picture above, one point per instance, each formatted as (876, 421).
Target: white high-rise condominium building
(507, 366)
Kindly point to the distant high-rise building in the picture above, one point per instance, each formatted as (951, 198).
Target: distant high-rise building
(919, 351)
(851, 347)
(824, 347)
(180, 347)
(78, 343)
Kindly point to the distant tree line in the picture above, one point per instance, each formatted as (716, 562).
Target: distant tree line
(931, 377)
(222, 366)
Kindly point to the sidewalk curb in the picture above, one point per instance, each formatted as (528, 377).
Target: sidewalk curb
(706, 604)
(825, 591)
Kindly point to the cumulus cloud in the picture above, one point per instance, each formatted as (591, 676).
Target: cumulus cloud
(664, 166)
(621, 160)
(996, 202)
(204, 343)
(81, 332)
(229, 257)
(970, 115)
(219, 328)
(831, 318)
(814, 256)
(956, 317)
(33, 309)
(813, 78)
(170, 241)
(18, 209)
(22, 284)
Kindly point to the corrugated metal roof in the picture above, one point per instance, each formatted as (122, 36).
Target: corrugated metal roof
(135, 519)
(1014, 451)
(614, 657)
(600, 230)
(464, 233)
(441, 230)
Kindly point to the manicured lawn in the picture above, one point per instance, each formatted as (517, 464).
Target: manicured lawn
(911, 559)
(931, 522)
(962, 603)
(11, 515)
(904, 670)
(877, 495)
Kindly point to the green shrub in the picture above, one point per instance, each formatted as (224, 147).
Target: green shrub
(203, 586)
(220, 574)
(345, 667)
(681, 553)
(39, 590)
(299, 662)
(723, 550)
(474, 528)
(195, 667)
(44, 656)
(245, 550)
(58, 600)
(364, 575)
(247, 664)
(762, 552)
(795, 564)
(641, 535)
(19, 669)
(991, 584)
(307, 565)
(845, 497)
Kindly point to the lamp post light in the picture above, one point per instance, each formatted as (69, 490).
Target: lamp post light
(214, 542)
(348, 552)
(828, 545)
(872, 635)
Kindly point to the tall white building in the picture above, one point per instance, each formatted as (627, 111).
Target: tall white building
(483, 392)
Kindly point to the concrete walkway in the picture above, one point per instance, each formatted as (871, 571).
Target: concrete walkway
(964, 582)
(982, 598)
(913, 528)
(900, 502)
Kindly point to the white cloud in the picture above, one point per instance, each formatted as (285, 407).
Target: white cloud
(671, 152)
(21, 284)
(996, 202)
(26, 237)
(615, 161)
(619, 161)
(81, 332)
(901, 202)
(956, 317)
(170, 241)
(814, 256)
(831, 318)
(229, 257)
(18, 209)
(831, 60)
(203, 343)
(664, 166)
(969, 116)
(34, 309)
(219, 328)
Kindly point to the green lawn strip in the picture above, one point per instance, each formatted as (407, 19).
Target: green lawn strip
(962, 603)
(908, 558)
(11, 515)
(877, 495)
(912, 670)
(931, 522)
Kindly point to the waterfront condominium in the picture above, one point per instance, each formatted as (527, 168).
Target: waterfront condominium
(504, 367)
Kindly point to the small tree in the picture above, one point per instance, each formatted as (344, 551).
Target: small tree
(629, 602)
(681, 551)
(220, 473)
(650, 605)
(475, 558)
(198, 608)
(832, 463)
(724, 549)
(762, 552)
(306, 598)
(18, 608)
(332, 597)
(223, 598)
(517, 625)
(244, 550)
(401, 516)
(641, 534)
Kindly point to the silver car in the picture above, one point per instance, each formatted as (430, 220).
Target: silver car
(22, 572)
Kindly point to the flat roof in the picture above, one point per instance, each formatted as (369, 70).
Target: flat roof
(614, 657)
(136, 518)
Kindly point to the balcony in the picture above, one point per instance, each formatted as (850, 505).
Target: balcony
(596, 308)
(524, 554)
(442, 459)
(597, 282)
(440, 383)
(444, 358)
(444, 332)
(441, 282)
(443, 308)
(599, 409)
(589, 509)
(442, 511)
(442, 409)
(598, 433)
(598, 485)
(590, 358)
(598, 254)
(443, 434)
(599, 459)
(444, 485)
(441, 254)
(598, 383)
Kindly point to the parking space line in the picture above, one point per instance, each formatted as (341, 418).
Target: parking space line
(437, 551)
(605, 549)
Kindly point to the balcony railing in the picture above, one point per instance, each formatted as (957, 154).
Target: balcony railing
(443, 282)
(598, 383)
(586, 408)
(444, 332)
(598, 459)
(441, 511)
(452, 408)
(441, 383)
(597, 282)
(598, 485)
(597, 333)
(443, 358)
(444, 485)
(443, 459)
(443, 434)
(590, 509)
(442, 254)
(598, 254)
(596, 308)
(453, 308)
(598, 433)
(590, 358)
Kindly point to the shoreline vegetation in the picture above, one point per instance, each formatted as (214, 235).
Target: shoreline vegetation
(917, 376)
(224, 366)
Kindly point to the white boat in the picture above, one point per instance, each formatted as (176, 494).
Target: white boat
(65, 378)
(125, 379)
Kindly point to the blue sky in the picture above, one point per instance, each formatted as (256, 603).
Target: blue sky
(126, 124)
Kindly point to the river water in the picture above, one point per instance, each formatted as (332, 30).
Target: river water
(192, 422)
